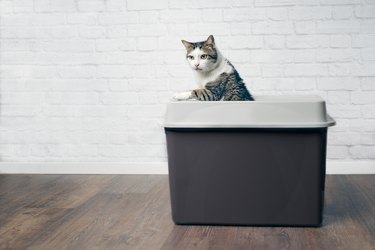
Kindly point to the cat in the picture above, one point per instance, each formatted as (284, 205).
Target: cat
(216, 76)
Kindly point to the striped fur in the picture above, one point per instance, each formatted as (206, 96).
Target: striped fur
(216, 76)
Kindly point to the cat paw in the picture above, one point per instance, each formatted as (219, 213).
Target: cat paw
(182, 96)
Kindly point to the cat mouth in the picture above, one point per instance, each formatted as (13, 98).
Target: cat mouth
(198, 69)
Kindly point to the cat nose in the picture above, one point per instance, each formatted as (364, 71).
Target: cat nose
(196, 65)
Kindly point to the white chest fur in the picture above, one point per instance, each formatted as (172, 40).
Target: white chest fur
(203, 78)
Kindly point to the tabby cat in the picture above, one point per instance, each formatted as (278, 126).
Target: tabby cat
(217, 78)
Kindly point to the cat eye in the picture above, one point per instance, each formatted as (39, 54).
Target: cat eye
(204, 56)
(190, 57)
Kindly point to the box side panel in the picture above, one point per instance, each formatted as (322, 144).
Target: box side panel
(247, 176)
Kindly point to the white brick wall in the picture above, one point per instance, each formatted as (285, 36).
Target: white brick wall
(88, 80)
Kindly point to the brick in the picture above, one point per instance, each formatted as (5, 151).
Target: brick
(269, 70)
(16, 20)
(365, 11)
(368, 138)
(147, 29)
(207, 28)
(344, 138)
(305, 84)
(75, 84)
(181, 4)
(368, 54)
(72, 98)
(342, 12)
(337, 55)
(362, 152)
(249, 70)
(337, 152)
(11, 45)
(147, 98)
(368, 26)
(368, 83)
(82, 18)
(22, 6)
(118, 85)
(77, 72)
(209, 4)
(362, 125)
(147, 43)
(240, 28)
(310, 13)
(146, 5)
(54, 6)
(336, 83)
(55, 32)
(124, 44)
(247, 42)
(277, 14)
(75, 111)
(119, 98)
(342, 26)
(305, 69)
(337, 2)
(178, 16)
(344, 111)
(92, 32)
(274, 41)
(114, 71)
(20, 111)
(239, 56)
(340, 41)
(180, 29)
(142, 85)
(150, 16)
(304, 56)
(285, 85)
(273, 27)
(40, 72)
(243, 14)
(242, 3)
(299, 42)
(305, 27)
(91, 5)
(363, 40)
(368, 111)
(145, 111)
(338, 97)
(212, 15)
(264, 84)
(340, 69)
(73, 45)
(117, 31)
(269, 3)
(116, 5)
(123, 18)
(153, 137)
(367, 69)
(271, 56)
(367, 97)
(6, 6)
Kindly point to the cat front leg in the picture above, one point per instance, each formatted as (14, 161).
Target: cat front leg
(182, 96)
(204, 95)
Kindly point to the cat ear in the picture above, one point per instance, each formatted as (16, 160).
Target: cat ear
(210, 40)
(187, 44)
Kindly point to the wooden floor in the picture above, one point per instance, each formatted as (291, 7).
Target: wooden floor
(133, 212)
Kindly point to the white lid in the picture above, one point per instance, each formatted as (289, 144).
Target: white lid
(264, 112)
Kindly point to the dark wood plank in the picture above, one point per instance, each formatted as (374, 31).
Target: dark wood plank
(133, 212)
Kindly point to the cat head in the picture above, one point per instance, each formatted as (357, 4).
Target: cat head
(201, 56)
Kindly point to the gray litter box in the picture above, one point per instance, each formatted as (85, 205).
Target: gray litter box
(248, 163)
